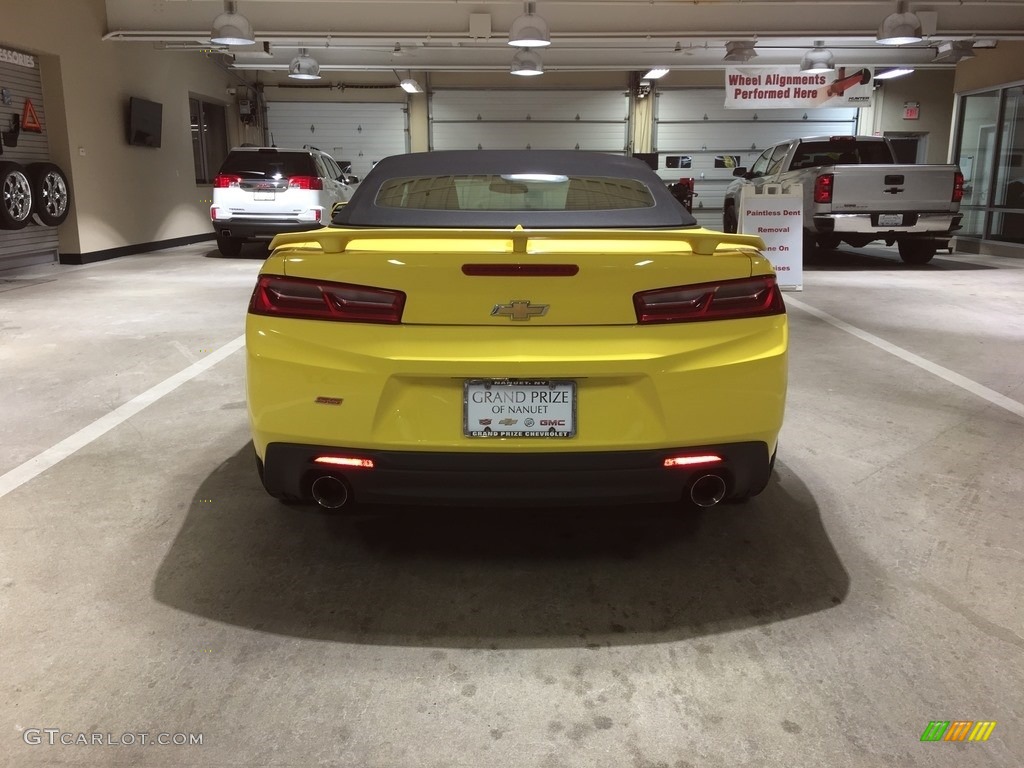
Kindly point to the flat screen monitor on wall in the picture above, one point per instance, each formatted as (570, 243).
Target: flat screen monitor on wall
(145, 120)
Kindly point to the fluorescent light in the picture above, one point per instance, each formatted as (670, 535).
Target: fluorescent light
(411, 86)
(655, 73)
(889, 74)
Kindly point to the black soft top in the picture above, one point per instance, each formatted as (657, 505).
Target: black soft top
(363, 210)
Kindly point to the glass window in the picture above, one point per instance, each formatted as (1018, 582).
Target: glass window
(209, 138)
(761, 164)
(777, 157)
(979, 114)
(1010, 174)
(514, 192)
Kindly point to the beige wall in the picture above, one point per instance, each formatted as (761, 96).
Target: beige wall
(122, 195)
(991, 67)
(932, 89)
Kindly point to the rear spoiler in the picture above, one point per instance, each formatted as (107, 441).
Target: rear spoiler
(701, 242)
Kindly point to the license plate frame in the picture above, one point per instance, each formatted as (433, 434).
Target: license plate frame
(890, 219)
(264, 195)
(519, 408)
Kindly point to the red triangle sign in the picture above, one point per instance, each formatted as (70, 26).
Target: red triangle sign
(29, 118)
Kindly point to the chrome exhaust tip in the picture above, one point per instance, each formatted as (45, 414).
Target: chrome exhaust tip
(707, 490)
(330, 492)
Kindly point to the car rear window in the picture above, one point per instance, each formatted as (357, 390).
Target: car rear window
(272, 164)
(514, 192)
(813, 154)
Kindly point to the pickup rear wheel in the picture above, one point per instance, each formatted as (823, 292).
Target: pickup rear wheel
(917, 251)
(729, 222)
(229, 246)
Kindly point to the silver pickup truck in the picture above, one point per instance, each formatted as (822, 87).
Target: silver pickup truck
(854, 192)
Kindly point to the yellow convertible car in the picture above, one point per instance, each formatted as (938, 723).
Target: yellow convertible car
(513, 328)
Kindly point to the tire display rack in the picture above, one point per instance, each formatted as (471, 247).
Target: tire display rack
(35, 193)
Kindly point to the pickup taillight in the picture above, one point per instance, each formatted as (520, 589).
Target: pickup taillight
(823, 188)
(279, 296)
(726, 300)
(225, 180)
(958, 187)
(305, 182)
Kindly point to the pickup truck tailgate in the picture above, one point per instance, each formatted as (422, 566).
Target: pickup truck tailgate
(858, 188)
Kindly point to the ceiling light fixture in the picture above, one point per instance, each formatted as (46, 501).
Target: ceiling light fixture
(304, 67)
(232, 28)
(655, 73)
(739, 50)
(527, 63)
(529, 30)
(900, 28)
(410, 86)
(889, 74)
(818, 59)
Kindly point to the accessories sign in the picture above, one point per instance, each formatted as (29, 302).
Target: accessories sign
(788, 87)
(19, 59)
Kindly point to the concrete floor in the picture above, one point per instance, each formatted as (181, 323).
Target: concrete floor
(148, 585)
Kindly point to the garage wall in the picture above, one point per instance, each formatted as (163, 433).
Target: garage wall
(122, 195)
(932, 89)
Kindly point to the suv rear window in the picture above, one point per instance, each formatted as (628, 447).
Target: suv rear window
(264, 164)
(514, 192)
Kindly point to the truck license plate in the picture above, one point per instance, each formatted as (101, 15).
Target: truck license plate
(519, 408)
(890, 219)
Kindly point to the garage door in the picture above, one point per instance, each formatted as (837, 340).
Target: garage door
(509, 119)
(697, 137)
(357, 132)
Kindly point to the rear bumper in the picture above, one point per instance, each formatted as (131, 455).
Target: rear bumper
(509, 480)
(260, 230)
(926, 224)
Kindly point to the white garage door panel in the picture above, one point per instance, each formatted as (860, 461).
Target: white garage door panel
(524, 105)
(498, 119)
(359, 133)
(600, 138)
(730, 137)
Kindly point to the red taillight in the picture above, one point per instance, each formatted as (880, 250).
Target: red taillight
(345, 461)
(319, 300)
(225, 180)
(748, 297)
(692, 461)
(958, 187)
(520, 270)
(305, 182)
(823, 188)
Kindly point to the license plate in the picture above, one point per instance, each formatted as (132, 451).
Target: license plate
(519, 408)
(890, 219)
(263, 195)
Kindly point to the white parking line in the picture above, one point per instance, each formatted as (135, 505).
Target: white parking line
(952, 377)
(51, 456)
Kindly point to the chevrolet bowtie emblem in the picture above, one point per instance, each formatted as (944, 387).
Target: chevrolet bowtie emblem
(520, 309)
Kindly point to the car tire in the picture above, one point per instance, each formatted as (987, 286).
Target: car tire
(917, 251)
(729, 220)
(229, 246)
(51, 198)
(15, 196)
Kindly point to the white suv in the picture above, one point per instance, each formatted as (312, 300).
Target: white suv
(262, 191)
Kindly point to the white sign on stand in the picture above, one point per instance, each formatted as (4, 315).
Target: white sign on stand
(775, 214)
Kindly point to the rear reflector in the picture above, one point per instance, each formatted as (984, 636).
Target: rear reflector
(520, 270)
(958, 187)
(823, 188)
(345, 461)
(730, 299)
(692, 461)
(278, 296)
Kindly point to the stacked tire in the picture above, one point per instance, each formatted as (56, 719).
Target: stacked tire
(37, 191)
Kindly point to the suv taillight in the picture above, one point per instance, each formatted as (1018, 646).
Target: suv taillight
(958, 187)
(278, 296)
(305, 182)
(730, 299)
(225, 180)
(823, 188)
